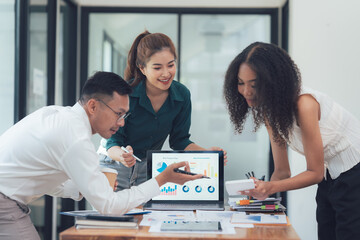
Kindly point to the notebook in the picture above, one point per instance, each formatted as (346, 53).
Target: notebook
(200, 194)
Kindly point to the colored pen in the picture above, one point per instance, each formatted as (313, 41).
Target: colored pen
(272, 207)
(244, 202)
(125, 150)
(188, 173)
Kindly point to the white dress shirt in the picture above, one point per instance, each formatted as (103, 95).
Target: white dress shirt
(340, 133)
(50, 152)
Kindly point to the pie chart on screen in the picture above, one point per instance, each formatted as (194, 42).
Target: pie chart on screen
(161, 166)
(185, 188)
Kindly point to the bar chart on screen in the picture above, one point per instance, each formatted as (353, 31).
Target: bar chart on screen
(168, 190)
(204, 168)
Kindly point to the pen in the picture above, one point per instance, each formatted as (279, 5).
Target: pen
(188, 173)
(125, 150)
(251, 174)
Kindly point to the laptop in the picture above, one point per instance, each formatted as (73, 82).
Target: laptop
(200, 194)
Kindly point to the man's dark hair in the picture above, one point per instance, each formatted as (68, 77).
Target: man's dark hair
(104, 84)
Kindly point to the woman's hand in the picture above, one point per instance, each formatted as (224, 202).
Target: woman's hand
(127, 159)
(117, 154)
(195, 147)
(262, 190)
(220, 149)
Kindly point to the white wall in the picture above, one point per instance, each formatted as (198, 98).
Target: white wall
(324, 42)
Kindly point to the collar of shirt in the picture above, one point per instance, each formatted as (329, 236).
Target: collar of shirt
(139, 91)
(78, 109)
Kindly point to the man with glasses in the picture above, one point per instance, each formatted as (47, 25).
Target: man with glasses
(120, 115)
(50, 152)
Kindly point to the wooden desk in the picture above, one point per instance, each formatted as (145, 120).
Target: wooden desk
(258, 232)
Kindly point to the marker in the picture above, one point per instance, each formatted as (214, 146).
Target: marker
(244, 202)
(271, 207)
(188, 173)
(125, 150)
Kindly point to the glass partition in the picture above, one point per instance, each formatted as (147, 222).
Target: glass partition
(37, 83)
(111, 36)
(7, 59)
(208, 44)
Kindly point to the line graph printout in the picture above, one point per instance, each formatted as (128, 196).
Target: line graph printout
(201, 189)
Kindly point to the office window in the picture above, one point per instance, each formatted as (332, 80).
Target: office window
(7, 59)
(37, 83)
(209, 42)
(111, 36)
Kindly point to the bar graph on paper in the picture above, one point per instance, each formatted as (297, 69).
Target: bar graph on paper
(169, 191)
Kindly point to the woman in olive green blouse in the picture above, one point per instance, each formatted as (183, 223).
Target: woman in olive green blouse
(159, 107)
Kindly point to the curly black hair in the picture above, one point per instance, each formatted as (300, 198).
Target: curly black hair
(278, 84)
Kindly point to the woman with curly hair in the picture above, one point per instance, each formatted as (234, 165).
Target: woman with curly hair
(265, 81)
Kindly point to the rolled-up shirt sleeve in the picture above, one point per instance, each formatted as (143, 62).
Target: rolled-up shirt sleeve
(81, 164)
(67, 190)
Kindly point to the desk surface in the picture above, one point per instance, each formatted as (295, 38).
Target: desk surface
(258, 232)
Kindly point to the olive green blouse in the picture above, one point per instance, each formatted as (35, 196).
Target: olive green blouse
(146, 130)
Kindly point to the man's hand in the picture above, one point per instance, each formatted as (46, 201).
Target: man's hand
(220, 149)
(115, 185)
(168, 175)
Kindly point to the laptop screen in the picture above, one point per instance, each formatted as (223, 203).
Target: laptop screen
(209, 163)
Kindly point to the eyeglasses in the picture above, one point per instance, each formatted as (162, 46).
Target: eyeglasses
(120, 115)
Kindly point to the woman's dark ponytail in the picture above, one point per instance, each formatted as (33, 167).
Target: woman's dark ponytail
(132, 74)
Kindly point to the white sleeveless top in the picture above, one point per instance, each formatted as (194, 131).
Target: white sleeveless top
(340, 132)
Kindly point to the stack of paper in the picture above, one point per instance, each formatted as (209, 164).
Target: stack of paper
(246, 205)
